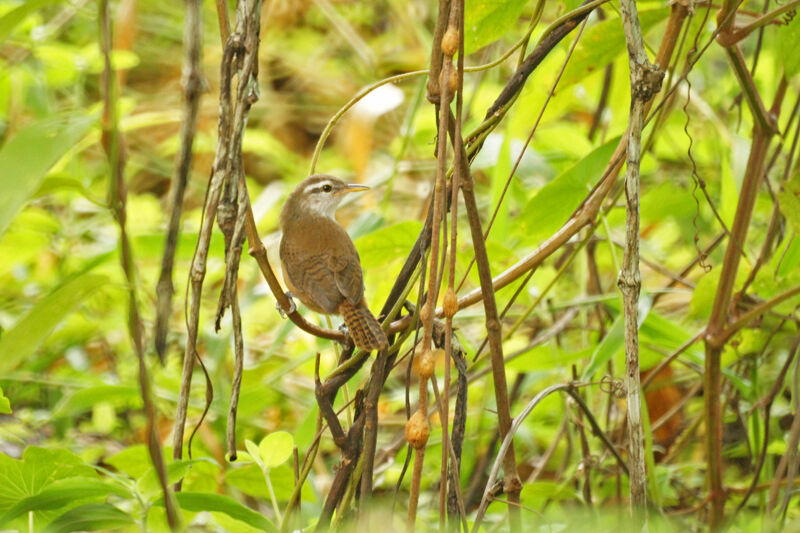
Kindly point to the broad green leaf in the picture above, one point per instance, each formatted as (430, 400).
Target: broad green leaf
(61, 493)
(85, 399)
(5, 405)
(706, 290)
(254, 452)
(276, 448)
(28, 334)
(789, 257)
(555, 202)
(729, 194)
(201, 501)
(601, 43)
(149, 484)
(250, 480)
(485, 21)
(26, 158)
(38, 469)
(789, 201)
(390, 241)
(132, 460)
(614, 341)
(90, 517)
(11, 19)
(789, 37)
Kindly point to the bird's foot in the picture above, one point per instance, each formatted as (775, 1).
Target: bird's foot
(292, 307)
(348, 340)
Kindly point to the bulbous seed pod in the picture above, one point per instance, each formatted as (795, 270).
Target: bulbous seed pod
(418, 430)
(450, 305)
(427, 364)
(452, 81)
(425, 312)
(450, 42)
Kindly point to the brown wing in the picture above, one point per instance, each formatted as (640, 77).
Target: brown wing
(348, 275)
(311, 279)
(323, 275)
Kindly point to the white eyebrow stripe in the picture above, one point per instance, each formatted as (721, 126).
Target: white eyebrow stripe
(317, 186)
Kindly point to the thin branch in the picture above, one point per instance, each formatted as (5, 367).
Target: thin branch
(645, 82)
(117, 196)
(194, 86)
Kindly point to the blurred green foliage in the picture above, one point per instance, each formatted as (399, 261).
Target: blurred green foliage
(71, 426)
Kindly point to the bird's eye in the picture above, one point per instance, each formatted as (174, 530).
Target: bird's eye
(327, 188)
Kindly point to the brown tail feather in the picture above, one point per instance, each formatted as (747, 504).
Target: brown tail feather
(364, 329)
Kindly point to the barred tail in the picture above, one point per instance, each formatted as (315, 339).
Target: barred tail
(364, 329)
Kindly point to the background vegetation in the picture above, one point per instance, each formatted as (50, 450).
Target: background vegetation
(92, 101)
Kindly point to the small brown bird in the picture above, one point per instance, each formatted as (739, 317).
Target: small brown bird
(320, 263)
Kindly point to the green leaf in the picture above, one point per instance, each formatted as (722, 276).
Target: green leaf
(131, 460)
(5, 405)
(11, 19)
(276, 448)
(38, 469)
(63, 492)
(202, 501)
(555, 202)
(149, 484)
(788, 259)
(90, 517)
(85, 399)
(601, 43)
(788, 37)
(789, 201)
(28, 334)
(485, 21)
(26, 158)
(614, 340)
(376, 247)
(254, 452)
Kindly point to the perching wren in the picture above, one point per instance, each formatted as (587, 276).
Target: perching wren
(320, 263)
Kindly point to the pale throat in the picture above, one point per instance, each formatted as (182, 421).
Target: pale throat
(323, 206)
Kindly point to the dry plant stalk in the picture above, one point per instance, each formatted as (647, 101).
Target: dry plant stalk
(715, 333)
(194, 86)
(117, 195)
(645, 80)
(241, 51)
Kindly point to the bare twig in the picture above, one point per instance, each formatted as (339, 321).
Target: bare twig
(117, 197)
(240, 53)
(512, 484)
(193, 86)
(645, 80)
(715, 335)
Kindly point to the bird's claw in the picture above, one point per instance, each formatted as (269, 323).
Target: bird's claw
(348, 341)
(292, 307)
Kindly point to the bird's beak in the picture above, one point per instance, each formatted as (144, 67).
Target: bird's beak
(353, 187)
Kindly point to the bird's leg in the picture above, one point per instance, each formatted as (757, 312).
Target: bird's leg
(292, 307)
(348, 340)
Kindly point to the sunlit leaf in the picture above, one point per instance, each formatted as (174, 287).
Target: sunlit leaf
(254, 452)
(789, 37)
(789, 201)
(201, 501)
(486, 21)
(602, 42)
(5, 405)
(26, 158)
(11, 19)
(555, 202)
(38, 469)
(276, 448)
(25, 337)
(614, 341)
(61, 493)
(90, 517)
